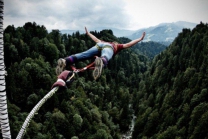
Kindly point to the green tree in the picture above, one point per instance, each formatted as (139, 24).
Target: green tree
(101, 134)
(50, 53)
(77, 121)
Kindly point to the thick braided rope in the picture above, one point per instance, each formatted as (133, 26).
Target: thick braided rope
(34, 110)
(4, 120)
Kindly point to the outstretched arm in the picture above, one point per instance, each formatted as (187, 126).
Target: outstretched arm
(133, 42)
(92, 36)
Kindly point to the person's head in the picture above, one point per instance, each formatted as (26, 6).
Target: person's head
(115, 42)
(61, 63)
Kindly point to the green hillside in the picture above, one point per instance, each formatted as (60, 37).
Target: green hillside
(88, 109)
(172, 99)
(169, 93)
(149, 49)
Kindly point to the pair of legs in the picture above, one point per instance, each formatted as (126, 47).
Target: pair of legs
(101, 49)
(105, 51)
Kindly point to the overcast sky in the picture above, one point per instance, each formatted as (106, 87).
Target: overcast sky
(122, 14)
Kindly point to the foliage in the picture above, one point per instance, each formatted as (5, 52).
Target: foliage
(149, 49)
(172, 99)
(166, 85)
(88, 109)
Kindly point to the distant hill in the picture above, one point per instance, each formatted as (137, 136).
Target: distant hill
(172, 100)
(119, 32)
(164, 32)
(149, 49)
(71, 31)
(116, 32)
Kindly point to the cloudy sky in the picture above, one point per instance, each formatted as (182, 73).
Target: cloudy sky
(122, 14)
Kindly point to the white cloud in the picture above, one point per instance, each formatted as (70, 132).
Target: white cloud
(148, 12)
(66, 14)
(125, 14)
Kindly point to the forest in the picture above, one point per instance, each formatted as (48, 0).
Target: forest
(88, 109)
(167, 86)
(172, 99)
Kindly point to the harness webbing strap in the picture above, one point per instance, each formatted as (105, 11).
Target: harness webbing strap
(101, 48)
(90, 66)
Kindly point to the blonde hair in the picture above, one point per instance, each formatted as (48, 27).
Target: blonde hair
(115, 42)
(60, 66)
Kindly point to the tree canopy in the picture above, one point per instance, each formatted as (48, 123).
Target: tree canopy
(167, 86)
(172, 99)
(88, 109)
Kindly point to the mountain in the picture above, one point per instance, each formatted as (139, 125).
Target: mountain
(149, 49)
(164, 32)
(116, 32)
(71, 31)
(172, 99)
(89, 109)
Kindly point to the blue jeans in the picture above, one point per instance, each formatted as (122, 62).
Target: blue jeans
(99, 49)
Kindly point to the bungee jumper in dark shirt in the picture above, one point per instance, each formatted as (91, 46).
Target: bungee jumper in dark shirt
(105, 51)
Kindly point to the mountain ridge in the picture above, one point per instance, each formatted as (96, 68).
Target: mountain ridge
(172, 100)
(163, 32)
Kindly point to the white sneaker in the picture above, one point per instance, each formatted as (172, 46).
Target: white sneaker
(98, 67)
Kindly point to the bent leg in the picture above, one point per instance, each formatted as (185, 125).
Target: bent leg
(106, 55)
(87, 54)
(93, 51)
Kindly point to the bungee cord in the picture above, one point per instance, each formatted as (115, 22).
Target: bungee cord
(34, 110)
(4, 120)
(66, 77)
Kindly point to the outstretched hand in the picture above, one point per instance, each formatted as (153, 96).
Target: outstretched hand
(86, 31)
(143, 35)
(92, 36)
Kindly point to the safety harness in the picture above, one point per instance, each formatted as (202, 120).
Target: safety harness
(106, 46)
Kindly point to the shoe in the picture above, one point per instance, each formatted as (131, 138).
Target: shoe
(98, 67)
